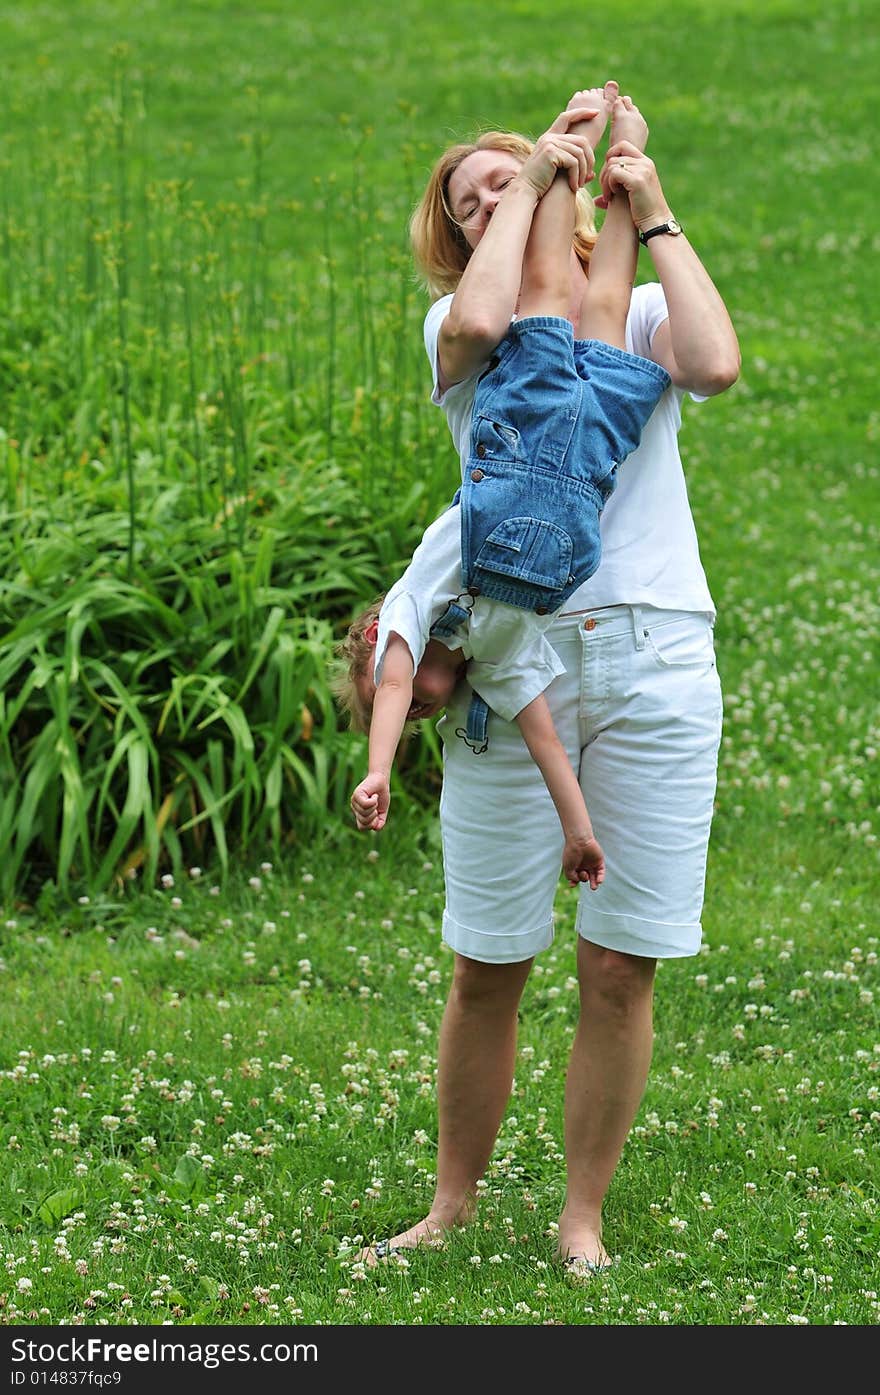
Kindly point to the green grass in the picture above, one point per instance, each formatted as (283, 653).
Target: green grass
(229, 1092)
(215, 445)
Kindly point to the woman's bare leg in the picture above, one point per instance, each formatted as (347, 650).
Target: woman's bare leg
(475, 1073)
(607, 1073)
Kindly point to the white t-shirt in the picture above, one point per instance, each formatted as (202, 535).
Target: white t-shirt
(650, 554)
(509, 660)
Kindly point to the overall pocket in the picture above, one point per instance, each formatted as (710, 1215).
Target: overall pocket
(493, 440)
(529, 556)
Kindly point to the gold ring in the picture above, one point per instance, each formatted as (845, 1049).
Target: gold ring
(622, 165)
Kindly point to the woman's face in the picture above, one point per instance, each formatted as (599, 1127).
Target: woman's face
(474, 188)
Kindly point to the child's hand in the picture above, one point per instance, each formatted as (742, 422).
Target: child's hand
(583, 860)
(370, 801)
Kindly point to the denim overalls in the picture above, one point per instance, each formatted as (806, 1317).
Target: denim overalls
(553, 418)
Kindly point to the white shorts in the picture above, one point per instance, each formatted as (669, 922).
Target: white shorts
(639, 712)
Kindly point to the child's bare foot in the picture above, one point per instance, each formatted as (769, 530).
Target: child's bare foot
(602, 97)
(627, 123)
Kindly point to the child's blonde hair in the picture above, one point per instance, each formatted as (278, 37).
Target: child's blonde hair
(438, 243)
(353, 656)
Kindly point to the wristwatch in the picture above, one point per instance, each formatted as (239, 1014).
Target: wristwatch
(672, 227)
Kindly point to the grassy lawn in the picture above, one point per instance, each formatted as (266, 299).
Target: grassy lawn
(213, 1087)
(208, 1099)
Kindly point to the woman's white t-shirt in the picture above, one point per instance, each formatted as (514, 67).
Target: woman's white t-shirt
(650, 554)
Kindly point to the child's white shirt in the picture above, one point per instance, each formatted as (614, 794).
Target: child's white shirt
(510, 662)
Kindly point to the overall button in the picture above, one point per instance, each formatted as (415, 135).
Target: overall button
(541, 610)
(481, 450)
(477, 475)
(590, 624)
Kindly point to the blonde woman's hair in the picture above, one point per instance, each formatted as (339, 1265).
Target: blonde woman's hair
(352, 655)
(439, 246)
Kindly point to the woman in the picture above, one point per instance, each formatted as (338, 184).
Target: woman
(638, 707)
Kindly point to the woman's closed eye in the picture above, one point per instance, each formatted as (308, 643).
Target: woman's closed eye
(470, 210)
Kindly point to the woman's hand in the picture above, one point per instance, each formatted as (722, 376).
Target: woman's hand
(558, 149)
(630, 171)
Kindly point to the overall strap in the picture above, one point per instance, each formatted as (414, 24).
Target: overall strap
(453, 617)
(476, 733)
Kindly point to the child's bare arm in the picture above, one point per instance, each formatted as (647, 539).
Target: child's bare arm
(582, 858)
(371, 799)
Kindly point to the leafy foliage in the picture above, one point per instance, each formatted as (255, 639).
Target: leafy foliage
(194, 505)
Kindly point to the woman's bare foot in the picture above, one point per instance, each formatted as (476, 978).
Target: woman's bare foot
(427, 1234)
(423, 1235)
(602, 97)
(579, 1247)
(627, 123)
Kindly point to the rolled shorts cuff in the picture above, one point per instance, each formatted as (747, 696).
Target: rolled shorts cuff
(629, 935)
(496, 949)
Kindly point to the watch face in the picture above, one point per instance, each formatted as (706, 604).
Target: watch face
(673, 227)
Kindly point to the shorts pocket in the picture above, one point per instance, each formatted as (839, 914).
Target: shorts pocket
(686, 642)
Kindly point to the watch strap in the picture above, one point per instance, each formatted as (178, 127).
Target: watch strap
(671, 226)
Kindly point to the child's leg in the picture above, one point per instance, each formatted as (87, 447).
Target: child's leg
(546, 281)
(603, 99)
(605, 305)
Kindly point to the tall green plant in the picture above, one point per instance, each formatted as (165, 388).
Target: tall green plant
(211, 457)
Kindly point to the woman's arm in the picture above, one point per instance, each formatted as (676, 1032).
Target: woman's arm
(485, 300)
(697, 345)
(371, 799)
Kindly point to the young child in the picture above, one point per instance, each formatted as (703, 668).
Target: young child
(553, 418)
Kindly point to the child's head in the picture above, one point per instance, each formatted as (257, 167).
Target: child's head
(352, 685)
